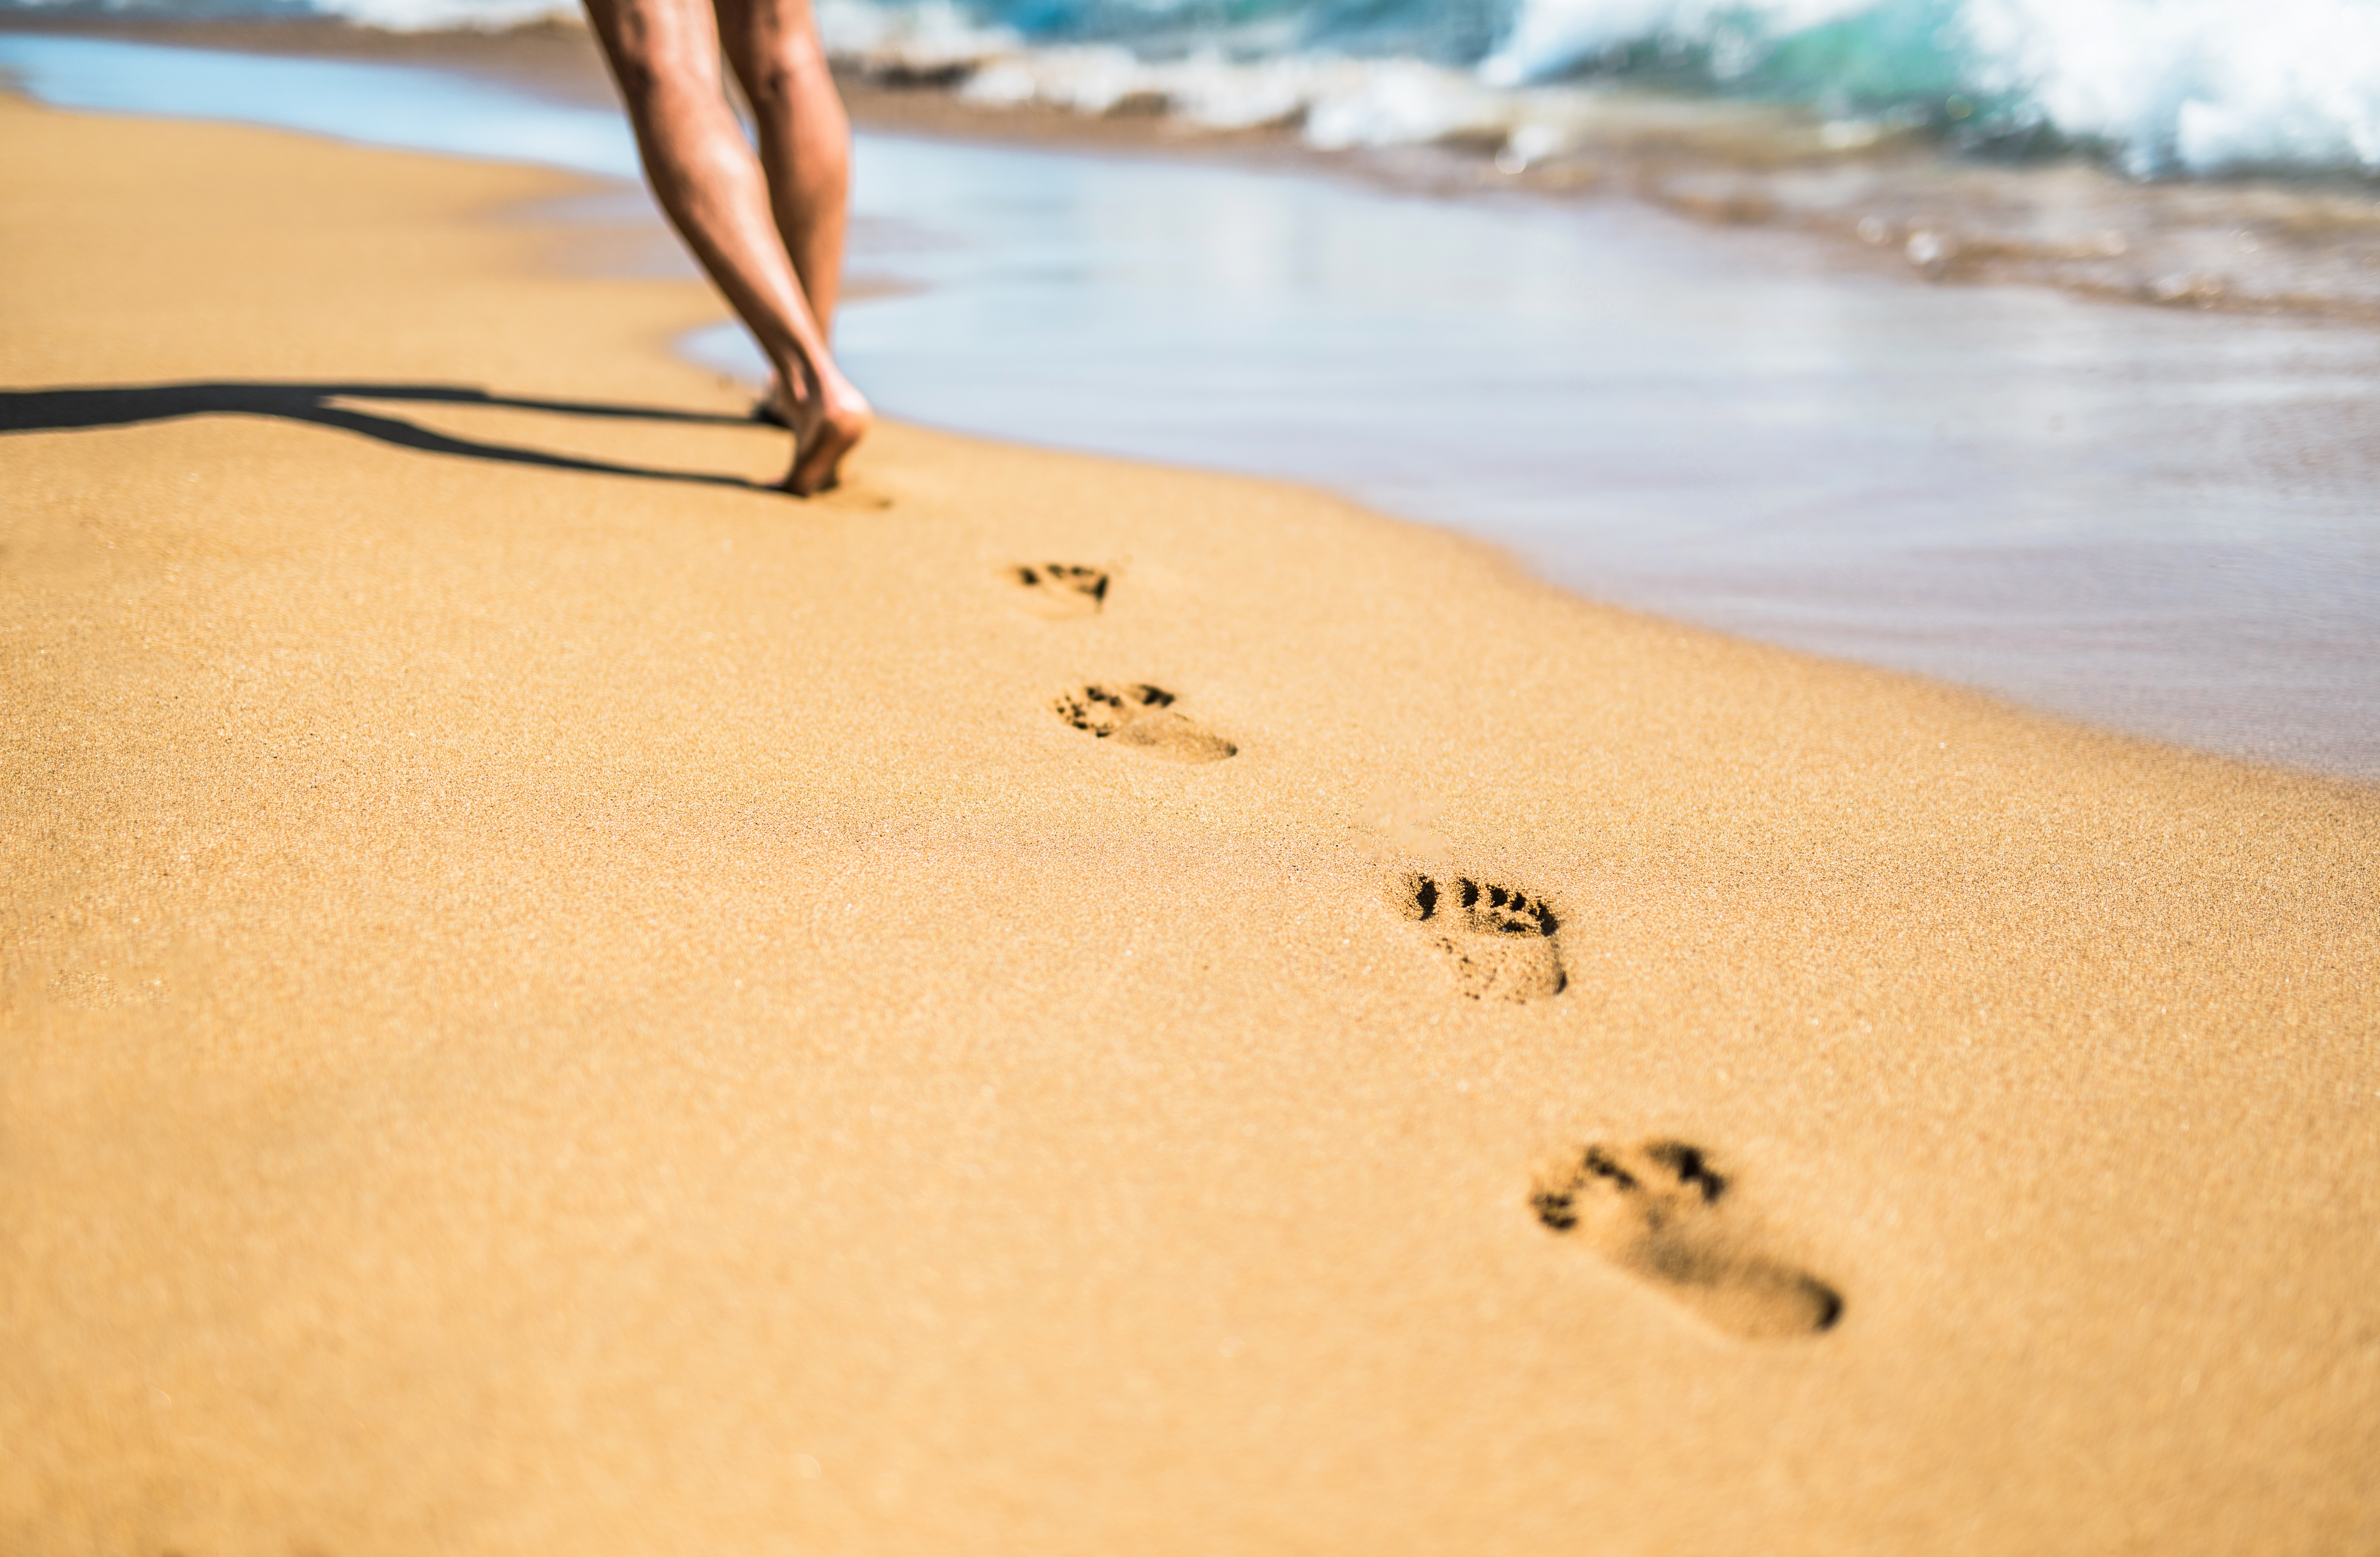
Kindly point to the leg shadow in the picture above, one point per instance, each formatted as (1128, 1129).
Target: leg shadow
(76, 409)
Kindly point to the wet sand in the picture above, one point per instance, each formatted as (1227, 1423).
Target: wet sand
(551, 1008)
(2152, 521)
(1895, 198)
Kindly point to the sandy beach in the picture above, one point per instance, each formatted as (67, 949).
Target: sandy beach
(555, 1000)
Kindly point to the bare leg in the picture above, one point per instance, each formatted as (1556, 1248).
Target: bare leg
(804, 137)
(664, 54)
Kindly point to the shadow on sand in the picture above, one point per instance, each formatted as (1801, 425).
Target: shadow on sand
(69, 411)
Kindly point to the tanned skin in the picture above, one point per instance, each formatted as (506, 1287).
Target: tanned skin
(769, 230)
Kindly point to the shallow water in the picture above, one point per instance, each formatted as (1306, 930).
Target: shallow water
(2161, 522)
(379, 105)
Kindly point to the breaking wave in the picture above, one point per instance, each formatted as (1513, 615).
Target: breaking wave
(2166, 87)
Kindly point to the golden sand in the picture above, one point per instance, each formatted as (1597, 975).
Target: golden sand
(556, 1011)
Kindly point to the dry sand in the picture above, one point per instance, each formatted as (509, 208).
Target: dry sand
(555, 1011)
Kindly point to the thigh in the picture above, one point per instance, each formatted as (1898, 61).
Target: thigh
(657, 45)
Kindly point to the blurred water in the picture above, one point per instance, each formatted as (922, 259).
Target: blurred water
(2158, 521)
(2167, 523)
(381, 105)
(2172, 86)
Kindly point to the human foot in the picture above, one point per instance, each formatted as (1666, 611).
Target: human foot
(827, 421)
(1652, 1209)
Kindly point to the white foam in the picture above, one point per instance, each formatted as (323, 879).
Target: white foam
(2198, 86)
(2195, 85)
(448, 16)
(1341, 102)
(924, 37)
(1091, 79)
(1396, 101)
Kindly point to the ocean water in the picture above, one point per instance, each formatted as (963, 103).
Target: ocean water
(2158, 521)
(2163, 522)
(378, 104)
(2165, 86)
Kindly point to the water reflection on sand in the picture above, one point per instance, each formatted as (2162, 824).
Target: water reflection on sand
(2162, 522)
(2158, 521)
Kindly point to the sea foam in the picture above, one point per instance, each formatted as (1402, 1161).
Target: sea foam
(2168, 87)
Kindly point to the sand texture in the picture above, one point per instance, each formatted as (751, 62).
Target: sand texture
(553, 1000)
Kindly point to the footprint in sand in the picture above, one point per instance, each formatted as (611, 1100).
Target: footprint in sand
(1141, 716)
(1499, 942)
(1061, 590)
(1653, 1210)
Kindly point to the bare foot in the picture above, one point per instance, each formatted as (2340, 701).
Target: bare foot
(826, 423)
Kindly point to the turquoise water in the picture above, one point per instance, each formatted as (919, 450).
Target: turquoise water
(2158, 521)
(2167, 86)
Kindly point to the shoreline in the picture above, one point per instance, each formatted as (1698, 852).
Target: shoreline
(2215, 644)
(552, 1009)
(2303, 247)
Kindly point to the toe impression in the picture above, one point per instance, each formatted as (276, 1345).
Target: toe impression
(1497, 942)
(1141, 716)
(1059, 591)
(1654, 1209)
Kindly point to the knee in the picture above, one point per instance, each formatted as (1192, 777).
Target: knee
(788, 74)
(657, 83)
